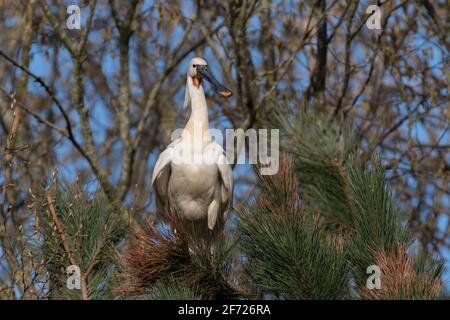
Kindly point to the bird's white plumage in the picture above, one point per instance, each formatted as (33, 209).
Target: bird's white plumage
(199, 193)
(161, 175)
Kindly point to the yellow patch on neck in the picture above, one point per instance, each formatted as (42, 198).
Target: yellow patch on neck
(197, 82)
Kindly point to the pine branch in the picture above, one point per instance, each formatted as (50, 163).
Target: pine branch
(81, 231)
(286, 255)
(345, 192)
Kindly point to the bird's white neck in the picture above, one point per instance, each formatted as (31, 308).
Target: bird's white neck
(199, 109)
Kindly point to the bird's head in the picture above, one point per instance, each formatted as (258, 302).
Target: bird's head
(198, 70)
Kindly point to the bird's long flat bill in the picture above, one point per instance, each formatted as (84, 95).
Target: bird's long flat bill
(217, 86)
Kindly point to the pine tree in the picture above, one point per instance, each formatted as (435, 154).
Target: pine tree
(309, 232)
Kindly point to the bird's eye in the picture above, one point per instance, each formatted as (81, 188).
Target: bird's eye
(194, 65)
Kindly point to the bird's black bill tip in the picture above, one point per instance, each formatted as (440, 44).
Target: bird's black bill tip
(217, 86)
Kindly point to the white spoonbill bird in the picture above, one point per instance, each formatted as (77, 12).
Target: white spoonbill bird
(191, 177)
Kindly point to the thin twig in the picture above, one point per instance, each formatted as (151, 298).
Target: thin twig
(62, 235)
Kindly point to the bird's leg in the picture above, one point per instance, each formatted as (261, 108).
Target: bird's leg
(211, 243)
(212, 249)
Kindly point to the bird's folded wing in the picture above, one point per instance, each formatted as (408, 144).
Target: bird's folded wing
(226, 175)
(161, 175)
